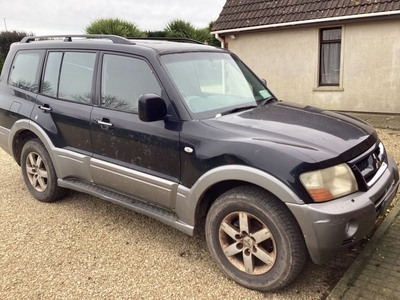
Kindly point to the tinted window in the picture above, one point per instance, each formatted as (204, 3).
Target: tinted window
(76, 76)
(50, 81)
(329, 69)
(24, 71)
(124, 80)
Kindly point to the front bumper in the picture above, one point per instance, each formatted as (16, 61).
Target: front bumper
(328, 227)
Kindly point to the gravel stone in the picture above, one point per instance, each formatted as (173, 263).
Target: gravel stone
(82, 247)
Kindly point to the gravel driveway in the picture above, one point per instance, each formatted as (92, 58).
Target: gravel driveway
(85, 248)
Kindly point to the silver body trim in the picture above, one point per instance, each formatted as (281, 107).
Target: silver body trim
(334, 217)
(187, 200)
(131, 182)
(378, 174)
(4, 137)
(176, 205)
(166, 194)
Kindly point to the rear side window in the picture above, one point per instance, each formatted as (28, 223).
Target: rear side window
(69, 75)
(24, 71)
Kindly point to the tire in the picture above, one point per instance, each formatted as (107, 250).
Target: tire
(38, 172)
(254, 239)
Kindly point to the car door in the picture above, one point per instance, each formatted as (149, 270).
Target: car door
(130, 156)
(64, 106)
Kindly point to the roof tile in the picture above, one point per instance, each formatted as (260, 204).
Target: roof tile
(247, 13)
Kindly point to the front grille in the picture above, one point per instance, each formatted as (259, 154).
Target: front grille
(363, 165)
(370, 162)
(371, 165)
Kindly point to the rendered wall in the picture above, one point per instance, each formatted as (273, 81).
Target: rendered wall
(288, 60)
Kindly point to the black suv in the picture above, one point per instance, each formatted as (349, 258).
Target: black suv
(187, 134)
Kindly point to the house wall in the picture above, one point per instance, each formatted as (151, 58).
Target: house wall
(288, 60)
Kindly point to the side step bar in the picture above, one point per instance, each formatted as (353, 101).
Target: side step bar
(163, 215)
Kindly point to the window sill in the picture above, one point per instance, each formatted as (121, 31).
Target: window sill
(328, 89)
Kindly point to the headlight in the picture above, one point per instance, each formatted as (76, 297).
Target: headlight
(330, 183)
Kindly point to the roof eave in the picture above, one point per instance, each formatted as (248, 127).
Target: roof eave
(395, 13)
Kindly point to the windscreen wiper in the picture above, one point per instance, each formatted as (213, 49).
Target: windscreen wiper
(266, 100)
(236, 109)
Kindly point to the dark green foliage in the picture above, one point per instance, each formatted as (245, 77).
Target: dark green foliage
(180, 28)
(114, 26)
(6, 39)
(213, 41)
(2, 59)
(156, 33)
(183, 29)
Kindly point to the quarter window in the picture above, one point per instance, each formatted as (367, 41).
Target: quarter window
(50, 80)
(24, 71)
(124, 80)
(330, 46)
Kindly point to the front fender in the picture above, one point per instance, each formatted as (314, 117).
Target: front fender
(188, 200)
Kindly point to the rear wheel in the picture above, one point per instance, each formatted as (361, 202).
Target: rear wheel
(255, 239)
(38, 172)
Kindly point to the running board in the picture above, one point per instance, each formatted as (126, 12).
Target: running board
(153, 211)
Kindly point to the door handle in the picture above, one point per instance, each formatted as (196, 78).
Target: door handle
(45, 108)
(104, 122)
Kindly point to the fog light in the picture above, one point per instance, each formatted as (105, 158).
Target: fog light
(351, 228)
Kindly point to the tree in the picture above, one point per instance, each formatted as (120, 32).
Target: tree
(114, 26)
(6, 39)
(212, 41)
(183, 29)
(180, 28)
(159, 33)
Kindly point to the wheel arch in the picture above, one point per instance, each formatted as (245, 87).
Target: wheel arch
(23, 131)
(18, 142)
(210, 196)
(192, 204)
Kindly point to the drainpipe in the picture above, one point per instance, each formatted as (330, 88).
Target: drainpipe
(220, 39)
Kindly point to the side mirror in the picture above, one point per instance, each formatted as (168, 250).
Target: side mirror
(152, 108)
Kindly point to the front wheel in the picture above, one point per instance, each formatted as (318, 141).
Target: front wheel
(254, 239)
(38, 172)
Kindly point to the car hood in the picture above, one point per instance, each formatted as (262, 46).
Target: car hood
(321, 135)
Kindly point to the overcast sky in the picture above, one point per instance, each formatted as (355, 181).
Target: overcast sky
(72, 16)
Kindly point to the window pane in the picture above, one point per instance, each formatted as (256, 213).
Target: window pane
(124, 80)
(24, 70)
(330, 64)
(331, 34)
(50, 81)
(76, 76)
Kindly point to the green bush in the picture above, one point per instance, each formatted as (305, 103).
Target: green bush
(158, 33)
(6, 39)
(114, 26)
(183, 29)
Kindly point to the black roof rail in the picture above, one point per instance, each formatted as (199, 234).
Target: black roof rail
(68, 38)
(171, 39)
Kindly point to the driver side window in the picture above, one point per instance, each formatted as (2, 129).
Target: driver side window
(124, 80)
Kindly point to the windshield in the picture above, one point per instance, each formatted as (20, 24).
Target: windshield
(211, 82)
